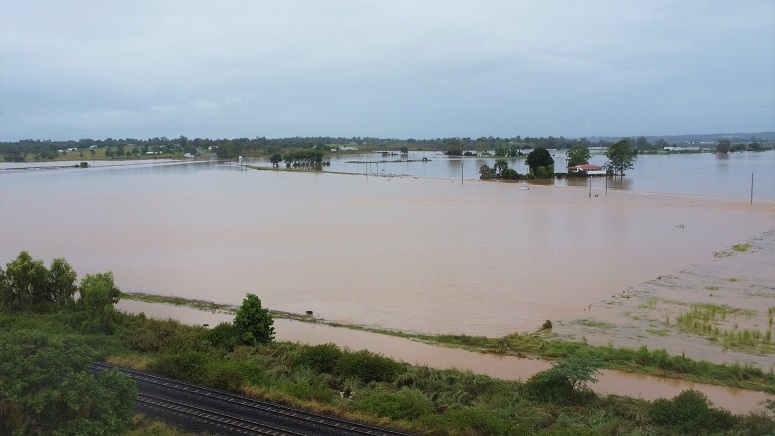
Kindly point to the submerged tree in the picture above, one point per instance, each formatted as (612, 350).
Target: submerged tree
(620, 156)
(540, 158)
(578, 156)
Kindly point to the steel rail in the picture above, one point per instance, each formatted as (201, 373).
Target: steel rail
(213, 417)
(266, 406)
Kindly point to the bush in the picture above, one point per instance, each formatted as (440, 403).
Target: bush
(188, 365)
(321, 358)
(690, 412)
(565, 381)
(154, 335)
(224, 335)
(405, 404)
(477, 420)
(367, 366)
(232, 375)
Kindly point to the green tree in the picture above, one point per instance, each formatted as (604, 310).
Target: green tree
(253, 322)
(44, 388)
(620, 156)
(24, 284)
(540, 157)
(93, 152)
(566, 380)
(61, 282)
(485, 172)
(641, 142)
(578, 155)
(99, 294)
(510, 174)
(500, 166)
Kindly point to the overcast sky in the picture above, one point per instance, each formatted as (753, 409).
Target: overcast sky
(390, 69)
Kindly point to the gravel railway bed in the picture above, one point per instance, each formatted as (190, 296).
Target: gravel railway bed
(199, 408)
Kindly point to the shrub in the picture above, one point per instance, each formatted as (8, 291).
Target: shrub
(367, 366)
(690, 412)
(565, 381)
(224, 335)
(478, 420)
(405, 404)
(321, 358)
(188, 365)
(154, 335)
(232, 375)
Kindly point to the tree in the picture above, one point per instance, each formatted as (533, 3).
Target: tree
(620, 156)
(45, 389)
(540, 157)
(510, 174)
(29, 285)
(577, 156)
(500, 166)
(276, 159)
(24, 284)
(253, 322)
(641, 142)
(723, 146)
(485, 172)
(61, 282)
(565, 381)
(98, 295)
(454, 147)
(93, 152)
(404, 150)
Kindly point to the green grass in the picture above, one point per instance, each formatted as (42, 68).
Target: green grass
(370, 387)
(742, 248)
(593, 323)
(547, 346)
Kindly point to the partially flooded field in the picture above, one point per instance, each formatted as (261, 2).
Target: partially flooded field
(720, 310)
(505, 367)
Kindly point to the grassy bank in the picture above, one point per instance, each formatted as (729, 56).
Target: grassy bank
(542, 344)
(370, 387)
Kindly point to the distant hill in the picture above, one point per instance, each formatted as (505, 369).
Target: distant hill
(706, 137)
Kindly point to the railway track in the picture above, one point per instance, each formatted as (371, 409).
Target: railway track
(201, 408)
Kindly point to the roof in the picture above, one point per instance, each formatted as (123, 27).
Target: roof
(586, 167)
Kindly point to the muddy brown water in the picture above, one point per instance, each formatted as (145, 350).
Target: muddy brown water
(413, 254)
(503, 367)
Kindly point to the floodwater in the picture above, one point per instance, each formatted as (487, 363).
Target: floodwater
(694, 174)
(503, 367)
(430, 255)
(414, 254)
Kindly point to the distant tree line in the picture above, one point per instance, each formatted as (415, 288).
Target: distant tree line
(34, 149)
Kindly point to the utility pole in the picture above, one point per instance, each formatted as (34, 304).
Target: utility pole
(751, 188)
